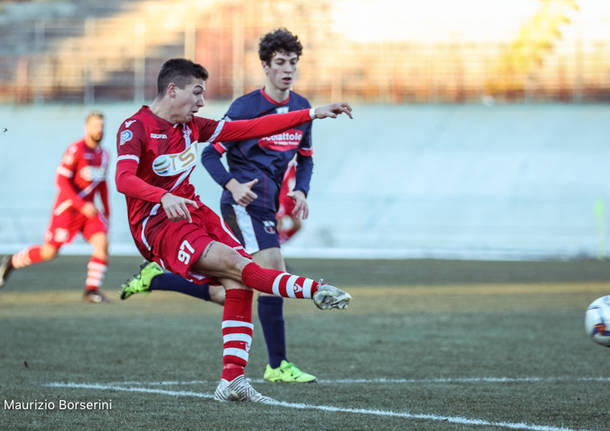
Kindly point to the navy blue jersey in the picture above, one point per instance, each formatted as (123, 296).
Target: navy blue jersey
(264, 158)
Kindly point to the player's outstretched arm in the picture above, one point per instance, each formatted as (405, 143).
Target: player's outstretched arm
(333, 110)
(274, 123)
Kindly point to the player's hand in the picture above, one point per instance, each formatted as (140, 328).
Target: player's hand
(333, 110)
(242, 192)
(175, 207)
(88, 210)
(301, 207)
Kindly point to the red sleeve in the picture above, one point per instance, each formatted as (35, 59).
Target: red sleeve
(131, 185)
(67, 189)
(65, 174)
(129, 148)
(266, 125)
(103, 189)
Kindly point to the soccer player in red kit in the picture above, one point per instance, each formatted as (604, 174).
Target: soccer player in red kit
(81, 176)
(158, 148)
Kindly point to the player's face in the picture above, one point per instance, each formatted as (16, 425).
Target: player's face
(94, 129)
(281, 70)
(188, 100)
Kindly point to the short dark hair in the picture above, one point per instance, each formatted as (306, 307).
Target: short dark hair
(280, 40)
(179, 71)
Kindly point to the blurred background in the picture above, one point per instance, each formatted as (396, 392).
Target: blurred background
(480, 129)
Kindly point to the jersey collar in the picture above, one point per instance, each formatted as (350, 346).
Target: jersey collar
(270, 100)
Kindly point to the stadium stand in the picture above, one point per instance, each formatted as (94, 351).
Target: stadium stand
(85, 51)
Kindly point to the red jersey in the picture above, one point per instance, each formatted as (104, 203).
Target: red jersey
(156, 157)
(80, 175)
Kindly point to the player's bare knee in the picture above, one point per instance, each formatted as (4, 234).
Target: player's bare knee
(48, 252)
(232, 261)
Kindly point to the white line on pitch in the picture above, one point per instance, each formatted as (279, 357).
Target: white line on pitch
(406, 415)
(384, 380)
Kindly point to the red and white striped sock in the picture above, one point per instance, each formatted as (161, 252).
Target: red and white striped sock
(278, 283)
(26, 257)
(95, 273)
(237, 331)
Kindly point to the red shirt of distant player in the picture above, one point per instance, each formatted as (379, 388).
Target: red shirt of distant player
(80, 176)
(287, 204)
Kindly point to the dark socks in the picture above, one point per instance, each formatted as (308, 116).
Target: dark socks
(176, 283)
(270, 313)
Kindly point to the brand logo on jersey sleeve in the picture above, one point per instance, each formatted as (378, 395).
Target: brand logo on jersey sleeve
(167, 165)
(288, 140)
(126, 136)
(129, 123)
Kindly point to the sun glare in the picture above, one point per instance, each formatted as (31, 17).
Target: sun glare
(444, 20)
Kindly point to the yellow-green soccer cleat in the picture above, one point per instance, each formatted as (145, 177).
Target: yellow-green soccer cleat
(140, 282)
(287, 373)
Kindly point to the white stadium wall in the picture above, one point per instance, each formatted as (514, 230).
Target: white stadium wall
(441, 181)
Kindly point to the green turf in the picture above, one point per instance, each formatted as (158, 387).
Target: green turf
(409, 320)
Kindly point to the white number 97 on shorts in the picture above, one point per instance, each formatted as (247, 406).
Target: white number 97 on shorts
(185, 252)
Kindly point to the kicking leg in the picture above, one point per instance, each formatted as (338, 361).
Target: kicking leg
(152, 277)
(221, 261)
(26, 257)
(96, 269)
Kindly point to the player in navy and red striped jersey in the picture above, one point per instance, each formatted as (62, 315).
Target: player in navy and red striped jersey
(157, 152)
(251, 187)
(81, 176)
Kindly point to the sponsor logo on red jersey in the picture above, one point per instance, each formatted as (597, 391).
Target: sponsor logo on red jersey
(167, 165)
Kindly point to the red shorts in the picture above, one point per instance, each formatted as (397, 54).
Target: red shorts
(63, 227)
(176, 246)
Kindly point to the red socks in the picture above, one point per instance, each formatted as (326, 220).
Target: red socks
(236, 332)
(95, 273)
(26, 257)
(278, 283)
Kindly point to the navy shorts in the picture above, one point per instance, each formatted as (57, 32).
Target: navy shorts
(255, 227)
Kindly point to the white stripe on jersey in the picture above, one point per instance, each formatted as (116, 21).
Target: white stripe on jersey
(228, 231)
(62, 207)
(64, 172)
(221, 124)
(152, 213)
(84, 192)
(183, 177)
(128, 157)
(244, 221)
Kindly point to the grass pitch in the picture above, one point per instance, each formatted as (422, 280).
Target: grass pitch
(426, 345)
